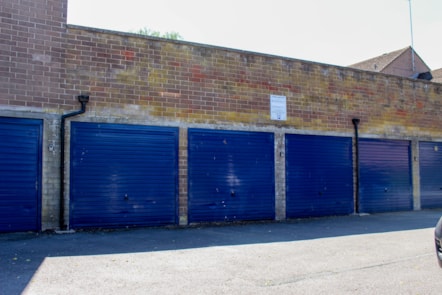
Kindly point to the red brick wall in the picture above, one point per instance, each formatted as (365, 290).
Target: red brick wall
(192, 83)
(32, 40)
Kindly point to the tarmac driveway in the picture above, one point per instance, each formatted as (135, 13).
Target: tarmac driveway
(389, 253)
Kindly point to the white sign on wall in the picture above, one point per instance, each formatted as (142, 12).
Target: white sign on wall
(278, 107)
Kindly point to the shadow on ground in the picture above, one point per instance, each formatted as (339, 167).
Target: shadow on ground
(22, 253)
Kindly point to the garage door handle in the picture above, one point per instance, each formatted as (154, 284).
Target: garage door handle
(232, 193)
(126, 197)
(386, 189)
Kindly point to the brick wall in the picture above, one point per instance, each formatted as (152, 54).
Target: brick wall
(32, 39)
(130, 76)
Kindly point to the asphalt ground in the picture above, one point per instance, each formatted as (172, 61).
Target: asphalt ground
(389, 253)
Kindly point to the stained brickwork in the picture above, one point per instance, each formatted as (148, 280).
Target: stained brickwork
(194, 83)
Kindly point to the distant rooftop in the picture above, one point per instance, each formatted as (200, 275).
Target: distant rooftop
(404, 63)
(379, 63)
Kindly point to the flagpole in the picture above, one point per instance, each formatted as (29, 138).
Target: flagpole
(412, 40)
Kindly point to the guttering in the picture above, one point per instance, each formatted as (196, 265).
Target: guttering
(356, 122)
(83, 99)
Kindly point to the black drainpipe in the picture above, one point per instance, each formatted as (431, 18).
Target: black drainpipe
(83, 99)
(355, 123)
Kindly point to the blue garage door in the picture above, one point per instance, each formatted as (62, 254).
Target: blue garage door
(20, 166)
(385, 176)
(319, 179)
(123, 175)
(231, 175)
(430, 162)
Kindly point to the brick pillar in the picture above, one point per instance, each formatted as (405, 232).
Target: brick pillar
(182, 182)
(415, 175)
(280, 197)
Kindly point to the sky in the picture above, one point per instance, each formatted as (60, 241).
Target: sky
(337, 32)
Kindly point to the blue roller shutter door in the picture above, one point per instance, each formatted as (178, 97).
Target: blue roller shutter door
(20, 176)
(319, 179)
(430, 161)
(385, 176)
(123, 175)
(231, 175)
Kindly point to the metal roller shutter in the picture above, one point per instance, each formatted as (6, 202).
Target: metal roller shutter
(430, 161)
(319, 179)
(123, 175)
(385, 176)
(231, 175)
(20, 174)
